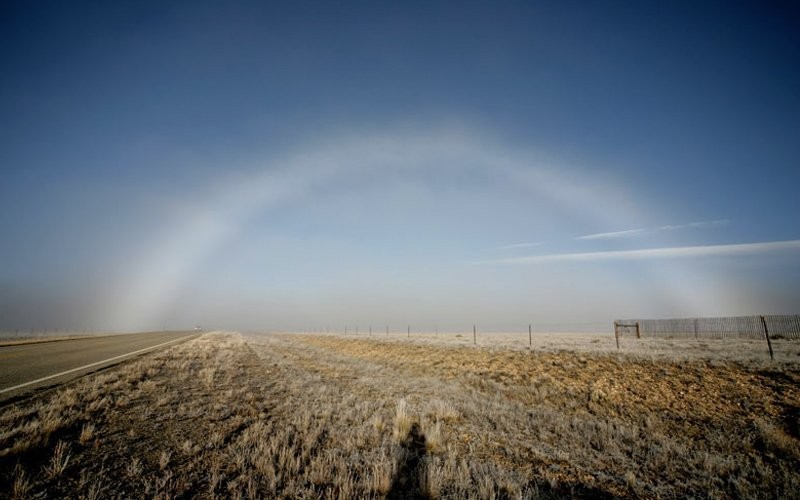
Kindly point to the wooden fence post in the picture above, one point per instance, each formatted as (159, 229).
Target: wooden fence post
(638, 333)
(474, 335)
(616, 333)
(766, 334)
(409, 331)
(530, 337)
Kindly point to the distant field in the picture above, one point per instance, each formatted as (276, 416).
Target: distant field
(340, 417)
(752, 352)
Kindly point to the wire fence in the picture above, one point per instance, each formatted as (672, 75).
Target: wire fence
(776, 326)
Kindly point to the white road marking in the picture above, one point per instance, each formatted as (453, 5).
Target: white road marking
(20, 386)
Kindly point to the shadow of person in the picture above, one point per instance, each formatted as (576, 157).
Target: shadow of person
(406, 482)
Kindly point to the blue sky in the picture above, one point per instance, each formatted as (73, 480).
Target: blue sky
(260, 165)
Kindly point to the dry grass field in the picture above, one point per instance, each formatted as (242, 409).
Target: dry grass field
(290, 416)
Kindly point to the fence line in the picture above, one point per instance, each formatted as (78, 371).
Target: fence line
(777, 326)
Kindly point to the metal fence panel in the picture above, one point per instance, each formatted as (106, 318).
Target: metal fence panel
(786, 326)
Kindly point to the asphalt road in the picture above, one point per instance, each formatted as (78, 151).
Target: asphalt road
(21, 364)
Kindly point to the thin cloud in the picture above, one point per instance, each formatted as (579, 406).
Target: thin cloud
(668, 227)
(658, 253)
(615, 234)
(694, 225)
(519, 245)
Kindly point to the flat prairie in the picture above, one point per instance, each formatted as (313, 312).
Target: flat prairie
(309, 416)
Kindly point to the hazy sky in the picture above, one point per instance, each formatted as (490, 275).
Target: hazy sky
(311, 164)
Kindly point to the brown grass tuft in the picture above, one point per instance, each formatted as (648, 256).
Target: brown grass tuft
(21, 485)
(163, 459)
(58, 462)
(87, 433)
(402, 421)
